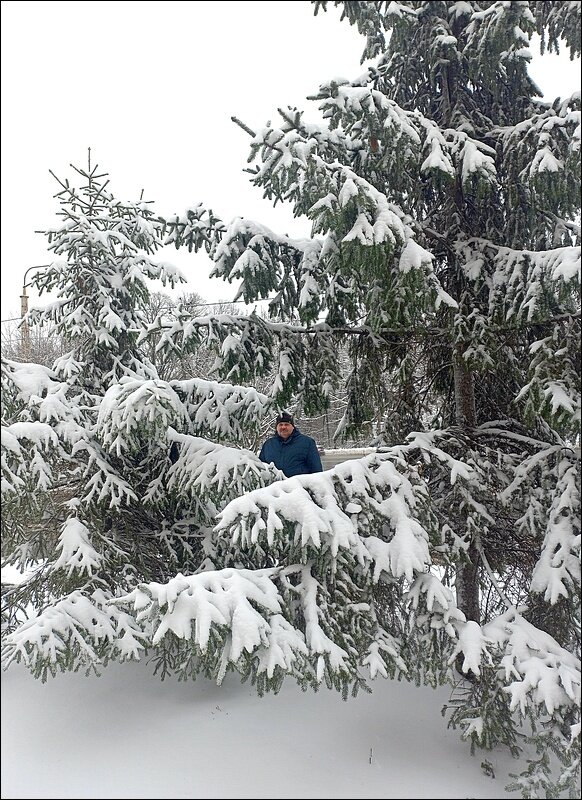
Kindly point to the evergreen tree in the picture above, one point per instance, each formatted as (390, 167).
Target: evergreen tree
(444, 256)
(104, 483)
(443, 195)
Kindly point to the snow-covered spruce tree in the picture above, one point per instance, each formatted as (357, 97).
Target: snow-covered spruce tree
(443, 195)
(106, 482)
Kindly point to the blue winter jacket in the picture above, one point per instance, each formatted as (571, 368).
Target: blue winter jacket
(296, 455)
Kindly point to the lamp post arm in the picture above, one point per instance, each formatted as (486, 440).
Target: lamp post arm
(37, 266)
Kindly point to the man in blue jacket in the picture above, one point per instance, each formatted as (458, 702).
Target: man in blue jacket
(289, 450)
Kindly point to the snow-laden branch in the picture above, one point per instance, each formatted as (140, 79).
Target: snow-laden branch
(538, 671)
(239, 611)
(77, 631)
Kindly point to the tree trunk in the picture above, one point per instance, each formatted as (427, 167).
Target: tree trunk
(466, 416)
(467, 586)
(467, 578)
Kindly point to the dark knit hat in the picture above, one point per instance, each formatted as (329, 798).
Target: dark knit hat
(284, 417)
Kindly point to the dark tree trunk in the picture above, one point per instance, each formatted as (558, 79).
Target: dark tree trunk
(467, 586)
(466, 416)
(467, 579)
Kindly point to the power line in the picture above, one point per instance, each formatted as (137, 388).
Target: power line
(196, 305)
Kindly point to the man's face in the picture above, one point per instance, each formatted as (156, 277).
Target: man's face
(284, 429)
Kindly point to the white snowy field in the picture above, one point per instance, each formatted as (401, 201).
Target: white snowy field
(127, 734)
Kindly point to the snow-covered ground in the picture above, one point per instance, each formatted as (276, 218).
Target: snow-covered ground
(127, 734)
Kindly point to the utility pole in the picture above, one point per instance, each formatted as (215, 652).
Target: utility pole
(24, 326)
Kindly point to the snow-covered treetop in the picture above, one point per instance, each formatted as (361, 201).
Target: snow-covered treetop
(101, 285)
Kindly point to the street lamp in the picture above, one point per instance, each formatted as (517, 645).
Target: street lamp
(24, 329)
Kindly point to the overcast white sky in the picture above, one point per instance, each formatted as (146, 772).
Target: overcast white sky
(151, 88)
